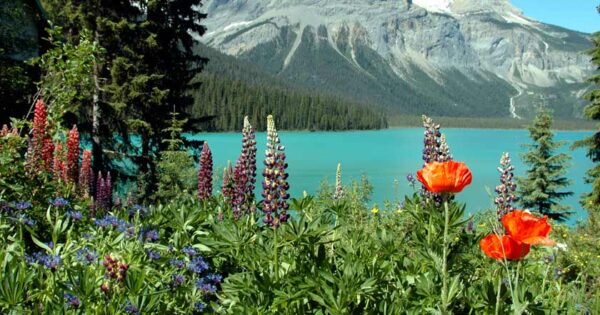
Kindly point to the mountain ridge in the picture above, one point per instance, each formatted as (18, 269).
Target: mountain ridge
(409, 59)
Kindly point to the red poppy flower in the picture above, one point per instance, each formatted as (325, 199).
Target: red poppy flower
(448, 176)
(501, 247)
(527, 228)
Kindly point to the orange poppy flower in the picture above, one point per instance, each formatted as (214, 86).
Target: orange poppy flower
(527, 228)
(501, 247)
(448, 176)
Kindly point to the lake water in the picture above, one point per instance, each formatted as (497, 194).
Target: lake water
(386, 156)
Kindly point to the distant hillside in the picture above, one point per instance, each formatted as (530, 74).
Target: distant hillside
(466, 58)
(232, 89)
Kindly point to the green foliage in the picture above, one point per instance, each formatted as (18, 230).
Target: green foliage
(67, 69)
(540, 189)
(591, 200)
(176, 167)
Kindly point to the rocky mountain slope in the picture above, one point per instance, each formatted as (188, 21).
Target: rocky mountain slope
(444, 57)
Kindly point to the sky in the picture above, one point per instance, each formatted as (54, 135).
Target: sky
(579, 15)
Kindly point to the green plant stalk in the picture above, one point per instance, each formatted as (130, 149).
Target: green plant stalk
(498, 296)
(445, 259)
(276, 249)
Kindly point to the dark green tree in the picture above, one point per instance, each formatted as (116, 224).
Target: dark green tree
(143, 75)
(591, 200)
(541, 189)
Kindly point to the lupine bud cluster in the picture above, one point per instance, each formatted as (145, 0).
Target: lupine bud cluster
(205, 173)
(4, 131)
(444, 150)
(104, 196)
(339, 189)
(275, 185)
(115, 269)
(86, 175)
(506, 190)
(227, 188)
(72, 161)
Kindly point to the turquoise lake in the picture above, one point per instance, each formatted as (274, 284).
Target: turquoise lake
(386, 156)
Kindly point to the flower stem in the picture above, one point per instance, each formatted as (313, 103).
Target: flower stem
(498, 295)
(445, 259)
(276, 249)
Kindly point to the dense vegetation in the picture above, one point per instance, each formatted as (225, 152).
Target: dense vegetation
(179, 240)
(195, 251)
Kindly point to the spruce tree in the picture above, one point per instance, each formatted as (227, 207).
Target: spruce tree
(591, 200)
(541, 190)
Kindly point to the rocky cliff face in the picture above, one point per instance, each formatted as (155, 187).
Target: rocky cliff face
(449, 57)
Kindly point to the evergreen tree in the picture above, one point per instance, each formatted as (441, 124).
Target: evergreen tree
(143, 75)
(540, 190)
(591, 201)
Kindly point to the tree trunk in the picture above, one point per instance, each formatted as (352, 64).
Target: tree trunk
(96, 142)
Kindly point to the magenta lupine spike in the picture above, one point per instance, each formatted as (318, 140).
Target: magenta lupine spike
(58, 164)
(227, 188)
(240, 181)
(506, 190)
(205, 173)
(275, 185)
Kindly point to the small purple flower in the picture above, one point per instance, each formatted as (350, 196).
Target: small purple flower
(59, 202)
(130, 308)
(25, 219)
(153, 255)
(50, 244)
(215, 278)
(150, 235)
(72, 300)
(197, 265)
(199, 306)
(177, 280)
(87, 256)
(190, 251)
(177, 263)
(410, 178)
(51, 262)
(139, 210)
(206, 288)
(74, 215)
(22, 205)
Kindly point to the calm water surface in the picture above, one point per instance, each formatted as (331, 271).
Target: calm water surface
(387, 156)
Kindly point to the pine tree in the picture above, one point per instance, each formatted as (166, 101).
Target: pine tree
(591, 201)
(541, 188)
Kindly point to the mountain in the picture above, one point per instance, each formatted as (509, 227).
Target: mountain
(472, 58)
(232, 89)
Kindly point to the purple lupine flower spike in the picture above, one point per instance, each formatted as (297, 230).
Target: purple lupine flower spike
(100, 190)
(240, 180)
(506, 190)
(275, 185)
(249, 151)
(205, 173)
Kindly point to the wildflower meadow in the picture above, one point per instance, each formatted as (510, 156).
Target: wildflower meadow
(74, 243)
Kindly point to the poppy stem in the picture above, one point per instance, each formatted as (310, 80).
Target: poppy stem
(445, 258)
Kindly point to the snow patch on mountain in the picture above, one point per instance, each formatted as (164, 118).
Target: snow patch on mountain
(439, 6)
